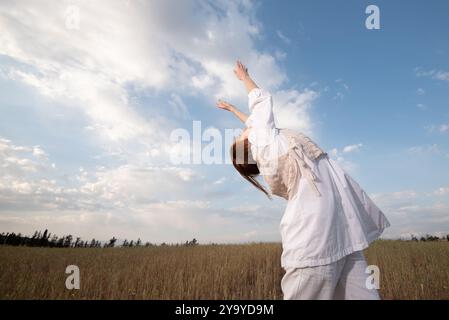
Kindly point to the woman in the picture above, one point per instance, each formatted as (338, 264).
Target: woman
(329, 219)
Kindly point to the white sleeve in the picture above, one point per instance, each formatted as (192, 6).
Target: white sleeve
(261, 121)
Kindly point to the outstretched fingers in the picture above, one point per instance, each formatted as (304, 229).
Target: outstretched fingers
(242, 66)
(223, 105)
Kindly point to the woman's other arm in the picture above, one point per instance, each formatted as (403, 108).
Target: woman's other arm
(229, 107)
(260, 103)
(241, 72)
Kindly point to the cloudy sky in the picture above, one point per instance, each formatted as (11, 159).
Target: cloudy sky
(91, 92)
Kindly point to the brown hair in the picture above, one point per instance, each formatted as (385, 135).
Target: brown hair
(244, 163)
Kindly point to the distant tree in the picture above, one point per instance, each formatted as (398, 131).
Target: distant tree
(194, 242)
(77, 242)
(431, 238)
(19, 239)
(125, 243)
(34, 239)
(111, 243)
(53, 241)
(43, 241)
(68, 241)
(138, 242)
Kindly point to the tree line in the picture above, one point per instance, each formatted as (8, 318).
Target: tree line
(46, 239)
(429, 237)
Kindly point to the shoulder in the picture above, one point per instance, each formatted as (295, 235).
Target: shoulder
(304, 142)
(258, 92)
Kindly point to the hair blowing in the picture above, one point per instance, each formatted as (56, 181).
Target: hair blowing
(245, 164)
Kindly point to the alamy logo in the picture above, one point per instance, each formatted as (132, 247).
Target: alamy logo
(373, 280)
(189, 149)
(372, 22)
(73, 280)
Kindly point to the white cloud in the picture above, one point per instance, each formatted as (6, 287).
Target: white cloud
(443, 128)
(23, 178)
(352, 148)
(221, 180)
(160, 45)
(179, 107)
(398, 198)
(333, 152)
(17, 160)
(421, 106)
(246, 208)
(202, 81)
(442, 191)
(89, 68)
(283, 37)
(427, 149)
(412, 212)
(346, 164)
(340, 94)
(38, 152)
(442, 75)
(433, 74)
(280, 55)
(343, 84)
(420, 91)
(291, 109)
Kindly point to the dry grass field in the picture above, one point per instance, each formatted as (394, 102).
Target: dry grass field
(409, 270)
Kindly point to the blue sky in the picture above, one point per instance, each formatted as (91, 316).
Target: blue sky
(90, 93)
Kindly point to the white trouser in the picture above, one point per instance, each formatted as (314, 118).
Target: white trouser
(344, 279)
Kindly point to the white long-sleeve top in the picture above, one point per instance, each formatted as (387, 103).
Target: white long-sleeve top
(323, 222)
(264, 137)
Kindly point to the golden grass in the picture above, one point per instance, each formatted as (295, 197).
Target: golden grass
(409, 270)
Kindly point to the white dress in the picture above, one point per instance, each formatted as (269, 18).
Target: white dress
(315, 230)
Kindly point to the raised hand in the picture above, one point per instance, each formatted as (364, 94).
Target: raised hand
(229, 107)
(241, 72)
(225, 105)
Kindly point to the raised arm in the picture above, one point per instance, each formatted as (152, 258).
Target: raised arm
(229, 107)
(260, 103)
(242, 74)
(260, 106)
